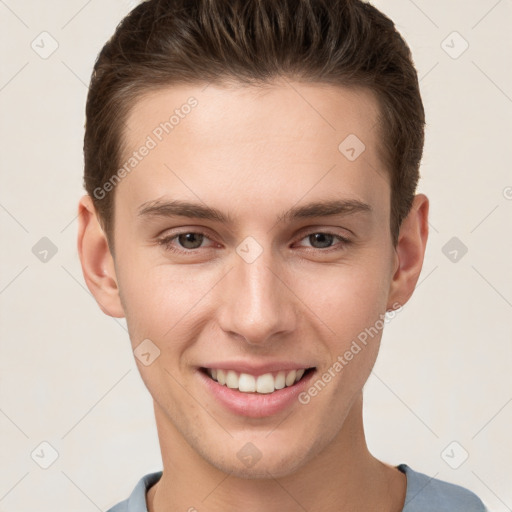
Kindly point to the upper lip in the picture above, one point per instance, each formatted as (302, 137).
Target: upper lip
(257, 369)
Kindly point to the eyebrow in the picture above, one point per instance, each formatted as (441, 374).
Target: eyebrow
(179, 208)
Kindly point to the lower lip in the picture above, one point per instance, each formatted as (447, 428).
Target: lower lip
(255, 405)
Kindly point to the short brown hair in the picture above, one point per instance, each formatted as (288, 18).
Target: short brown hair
(339, 42)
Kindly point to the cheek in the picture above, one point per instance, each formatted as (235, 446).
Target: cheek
(159, 299)
(351, 302)
(347, 298)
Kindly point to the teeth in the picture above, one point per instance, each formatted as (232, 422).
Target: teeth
(247, 383)
(265, 383)
(221, 377)
(280, 380)
(290, 378)
(231, 379)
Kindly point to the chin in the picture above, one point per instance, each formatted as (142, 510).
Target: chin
(262, 464)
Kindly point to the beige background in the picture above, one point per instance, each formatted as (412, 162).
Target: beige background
(67, 375)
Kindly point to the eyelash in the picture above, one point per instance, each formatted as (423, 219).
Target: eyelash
(166, 242)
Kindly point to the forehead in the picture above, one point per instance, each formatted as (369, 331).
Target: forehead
(286, 136)
(278, 109)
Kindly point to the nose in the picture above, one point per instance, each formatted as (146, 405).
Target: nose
(257, 304)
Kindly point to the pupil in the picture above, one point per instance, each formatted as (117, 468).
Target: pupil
(324, 239)
(188, 238)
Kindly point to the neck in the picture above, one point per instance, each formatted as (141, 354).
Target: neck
(343, 476)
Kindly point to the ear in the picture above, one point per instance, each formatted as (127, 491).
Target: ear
(410, 250)
(97, 262)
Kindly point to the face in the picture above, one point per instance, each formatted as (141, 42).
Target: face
(280, 261)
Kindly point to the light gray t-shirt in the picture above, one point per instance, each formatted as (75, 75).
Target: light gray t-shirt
(424, 494)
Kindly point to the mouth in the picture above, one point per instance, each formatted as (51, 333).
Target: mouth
(264, 384)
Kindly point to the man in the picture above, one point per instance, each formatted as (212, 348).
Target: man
(251, 169)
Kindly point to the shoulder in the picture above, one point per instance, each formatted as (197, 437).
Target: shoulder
(427, 494)
(136, 502)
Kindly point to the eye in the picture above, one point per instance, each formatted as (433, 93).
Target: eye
(324, 240)
(187, 241)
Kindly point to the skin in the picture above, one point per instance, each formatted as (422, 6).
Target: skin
(254, 153)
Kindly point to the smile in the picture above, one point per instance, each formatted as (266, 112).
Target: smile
(263, 384)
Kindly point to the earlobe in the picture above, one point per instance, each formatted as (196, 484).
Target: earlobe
(96, 260)
(410, 251)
